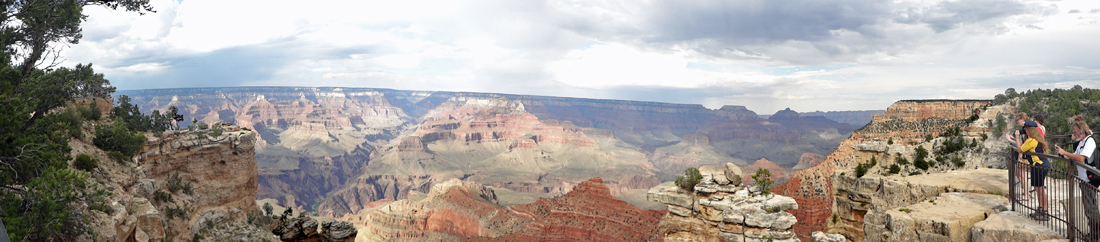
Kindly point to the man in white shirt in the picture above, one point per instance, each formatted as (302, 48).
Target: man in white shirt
(1083, 152)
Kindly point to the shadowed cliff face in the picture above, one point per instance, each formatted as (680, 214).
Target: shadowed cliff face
(334, 150)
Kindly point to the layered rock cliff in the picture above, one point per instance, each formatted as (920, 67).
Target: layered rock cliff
(179, 187)
(462, 210)
(320, 149)
(906, 124)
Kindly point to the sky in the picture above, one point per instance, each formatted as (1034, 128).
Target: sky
(807, 55)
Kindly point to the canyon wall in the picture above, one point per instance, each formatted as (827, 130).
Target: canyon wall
(906, 124)
(321, 149)
(177, 188)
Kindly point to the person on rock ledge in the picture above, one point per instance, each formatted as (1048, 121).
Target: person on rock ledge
(1085, 144)
(1039, 166)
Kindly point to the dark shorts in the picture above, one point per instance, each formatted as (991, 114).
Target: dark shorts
(1039, 174)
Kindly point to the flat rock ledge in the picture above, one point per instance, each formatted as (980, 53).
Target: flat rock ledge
(1010, 226)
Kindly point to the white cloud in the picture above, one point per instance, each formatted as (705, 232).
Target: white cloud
(805, 54)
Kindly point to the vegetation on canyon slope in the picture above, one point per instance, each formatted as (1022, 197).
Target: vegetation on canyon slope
(40, 196)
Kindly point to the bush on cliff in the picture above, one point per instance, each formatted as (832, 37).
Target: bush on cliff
(919, 160)
(119, 138)
(860, 170)
(41, 198)
(762, 178)
(85, 162)
(155, 122)
(690, 179)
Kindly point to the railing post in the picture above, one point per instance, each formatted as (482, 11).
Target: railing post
(1012, 179)
(1071, 223)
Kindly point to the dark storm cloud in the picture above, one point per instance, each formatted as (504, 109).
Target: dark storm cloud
(842, 30)
(949, 15)
(755, 21)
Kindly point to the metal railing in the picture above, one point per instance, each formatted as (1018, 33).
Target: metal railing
(1071, 204)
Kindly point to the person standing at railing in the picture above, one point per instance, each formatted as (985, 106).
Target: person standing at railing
(1035, 143)
(1021, 119)
(1085, 144)
(1040, 121)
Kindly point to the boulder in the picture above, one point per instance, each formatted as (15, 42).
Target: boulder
(717, 173)
(733, 173)
(145, 187)
(781, 203)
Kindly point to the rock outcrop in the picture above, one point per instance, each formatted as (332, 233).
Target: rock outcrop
(715, 212)
(905, 124)
(304, 228)
(936, 207)
(178, 187)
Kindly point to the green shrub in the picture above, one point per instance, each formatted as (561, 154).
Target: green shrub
(919, 160)
(119, 138)
(860, 170)
(762, 178)
(176, 184)
(85, 162)
(902, 160)
(890, 141)
(906, 210)
(90, 113)
(216, 130)
(894, 169)
(268, 209)
(690, 179)
(161, 196)
(117, 156)
(958, 160)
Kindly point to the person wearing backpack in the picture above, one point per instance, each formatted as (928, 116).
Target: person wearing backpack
(1035, 143)
(1085, 152)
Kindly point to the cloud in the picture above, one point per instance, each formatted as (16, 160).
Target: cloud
(769, 55)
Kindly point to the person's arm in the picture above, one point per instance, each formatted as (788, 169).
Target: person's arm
(1088, 147)
(1029, 146)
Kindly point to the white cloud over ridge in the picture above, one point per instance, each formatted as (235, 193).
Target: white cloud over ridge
(768, 55)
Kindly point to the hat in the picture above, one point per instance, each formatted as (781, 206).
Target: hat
(1031, 124)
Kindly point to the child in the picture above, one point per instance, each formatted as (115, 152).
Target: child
(1037, 144)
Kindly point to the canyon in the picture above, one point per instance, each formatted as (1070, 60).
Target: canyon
(334, 151)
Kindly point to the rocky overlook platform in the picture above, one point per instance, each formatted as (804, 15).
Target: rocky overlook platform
(724, 209)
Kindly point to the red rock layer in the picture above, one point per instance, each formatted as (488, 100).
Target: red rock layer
(589, 212)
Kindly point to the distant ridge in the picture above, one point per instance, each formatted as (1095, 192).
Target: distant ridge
(856, 118)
